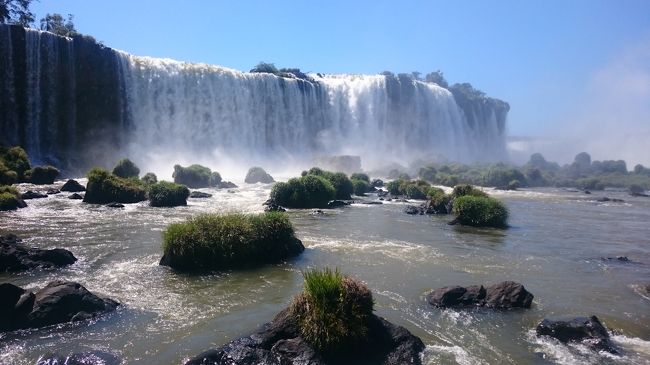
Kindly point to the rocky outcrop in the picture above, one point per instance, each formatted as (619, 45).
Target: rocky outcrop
(258, 175)
(337, 204)
(226, 185)
(76, 196)
(58, 302)
(504, 295)
(279, 342)
(73, 186)
(15, 256)
(586, 330)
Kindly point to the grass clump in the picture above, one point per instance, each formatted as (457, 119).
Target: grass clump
(333, 311)
(10, 198)
(309, 191)
(168, 194)
(217, 242)
(361, 187)
(196, 176)
(7, 177)
(438, 200)
(41, 175)
(103, 188)
(125, 168)
(412, 189)
(480, 211)
(465, 190)
(15, 159)
(360, 176)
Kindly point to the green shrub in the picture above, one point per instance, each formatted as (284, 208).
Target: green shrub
(332, 312)
(220, 242)
(448, 179)
(309, 191)
(105, 188)
(464, 190)
(360, 176)
(590, 184)
(438, 200)
(393, 187)
(15, 159)
(167, 194)
(125, 168)
(7, 177)
(41, 175)
(480, 211)
(413, 191)
(257, 174)
(513, 185)
(215, 179)
(361, 187)
(194, 176)
(343, 187)
(149, 178)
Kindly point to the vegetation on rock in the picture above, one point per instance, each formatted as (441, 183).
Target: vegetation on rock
(125, 168)
(149, 178)
(196, 176)
(229, 241)
(309, 191)
(103, 188)
(168, 194)
(41, 175)
(480, 211)
(333, 311)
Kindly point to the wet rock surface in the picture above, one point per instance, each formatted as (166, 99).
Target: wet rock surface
(586, 330)
(73, 186)
(14, 256)
(504, 295)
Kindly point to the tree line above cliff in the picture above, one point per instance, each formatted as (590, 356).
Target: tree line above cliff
(18, 12)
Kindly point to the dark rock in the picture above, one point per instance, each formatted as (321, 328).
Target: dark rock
(587, 192)
(32, 195)
(53, 191)
(382, 193)
(368, 202)
(73, 186)
(76, 196)
(115, 205)
(504, 295)
(317, 212)
(60, 302)
(257, 174)
(226, 185)
(10, 239)
(18, 257)
(613, 200)
(85, 358)
(377, 183)
(274, 208)
(200, 195)
(412, 209)
(640, 195)
(618, 258)
(279, 343)
(588, 331)
(337, 204)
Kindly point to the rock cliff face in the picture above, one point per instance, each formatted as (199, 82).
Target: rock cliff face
(73, 102)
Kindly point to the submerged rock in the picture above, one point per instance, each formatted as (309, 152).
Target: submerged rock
(32, 195)
(279, 343)
(504, 295)
(377, 183)
(274, 208)
(85, 358)
(73, 186)
(15, 256)
(613, 200)
(617, 258)
(586, 330)
(412, 209)
(52, 191)
(226, 185)
(115, 205)
(58, 302)
(200, 195)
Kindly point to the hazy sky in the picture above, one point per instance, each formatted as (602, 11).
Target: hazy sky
(548, 58)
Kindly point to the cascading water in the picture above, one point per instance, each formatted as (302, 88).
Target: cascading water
(74, 97)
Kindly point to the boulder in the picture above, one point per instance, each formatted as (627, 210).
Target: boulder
(412, 209)
(84, 358)
(200, 195)
(258, 175)
(613, 200)
(15, 256)
(586, 330)
(73, 186)
(76, 196)
(279, 342)
(377, 183)
(32, 195)
(644, 195)
(58, 302)
(504, 295)
(115, 205)
(337, 204)
(617, 258)
(52, 191)
(61, 301)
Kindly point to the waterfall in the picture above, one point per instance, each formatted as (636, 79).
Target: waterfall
(73, 101)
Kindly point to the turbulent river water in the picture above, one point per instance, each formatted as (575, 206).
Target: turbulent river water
(554, 247)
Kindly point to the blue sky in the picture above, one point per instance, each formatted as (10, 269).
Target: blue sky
(540, 56)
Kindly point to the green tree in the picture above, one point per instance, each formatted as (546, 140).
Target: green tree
(55, 23)
(265, 67)
(437, 78)
(16, 12)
